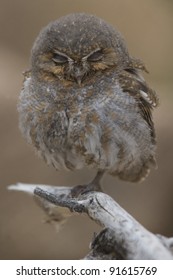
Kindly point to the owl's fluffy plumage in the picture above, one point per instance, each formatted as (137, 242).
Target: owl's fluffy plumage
(85, 103)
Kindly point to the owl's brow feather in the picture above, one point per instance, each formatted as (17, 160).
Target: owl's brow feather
(63, 54)
(88, 55)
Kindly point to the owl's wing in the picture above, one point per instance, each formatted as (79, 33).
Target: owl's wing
(132, 82)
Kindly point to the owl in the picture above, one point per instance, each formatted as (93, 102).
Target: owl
(85, 103)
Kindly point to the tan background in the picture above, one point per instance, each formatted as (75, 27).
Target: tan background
(148, 29)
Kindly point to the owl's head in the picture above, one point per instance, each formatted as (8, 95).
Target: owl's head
(75, 47)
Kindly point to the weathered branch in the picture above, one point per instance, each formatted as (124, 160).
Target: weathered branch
(122, 237)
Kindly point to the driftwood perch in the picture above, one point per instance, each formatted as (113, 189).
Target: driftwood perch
(122, 237)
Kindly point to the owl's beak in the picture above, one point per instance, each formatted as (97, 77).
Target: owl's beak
(79, 80)
(78, 74)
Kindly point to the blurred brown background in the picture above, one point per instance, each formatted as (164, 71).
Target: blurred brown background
(148, 29)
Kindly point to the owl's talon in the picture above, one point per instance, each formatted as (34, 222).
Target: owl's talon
(82, 189)
(77, 190)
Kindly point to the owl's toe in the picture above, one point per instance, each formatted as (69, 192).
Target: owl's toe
(82, 189)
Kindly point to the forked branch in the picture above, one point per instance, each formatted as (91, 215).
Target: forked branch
(122, 237)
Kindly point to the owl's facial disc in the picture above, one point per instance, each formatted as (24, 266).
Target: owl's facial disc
(76, 68)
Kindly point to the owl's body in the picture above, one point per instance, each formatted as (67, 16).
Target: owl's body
(85, 103)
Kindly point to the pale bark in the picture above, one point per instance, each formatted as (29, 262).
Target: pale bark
(121, 237)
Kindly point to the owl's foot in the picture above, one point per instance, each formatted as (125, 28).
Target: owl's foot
(81, 189)
(92, 186)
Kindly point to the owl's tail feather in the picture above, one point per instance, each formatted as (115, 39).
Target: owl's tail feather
(138, 173)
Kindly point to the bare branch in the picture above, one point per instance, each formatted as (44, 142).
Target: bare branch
(122, 237)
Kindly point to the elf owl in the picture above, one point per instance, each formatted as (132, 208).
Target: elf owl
(85, 103)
